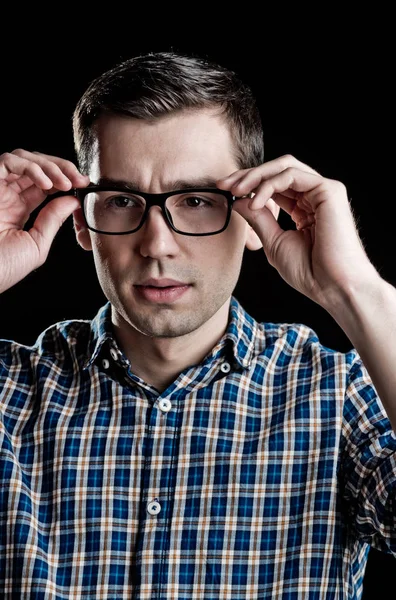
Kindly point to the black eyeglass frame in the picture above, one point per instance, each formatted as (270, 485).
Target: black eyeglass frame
(151, 200)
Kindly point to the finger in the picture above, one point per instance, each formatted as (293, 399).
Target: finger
(18, 183)
(67, 167)
(262, 221)
(59, 179)
(21, 183)
(227, 182)
(300, 216)
(11, 164)
(286, 203)
(34, 196)
(49, 221)
(244, 181)
(251, 181)
(28, 171)
(286, 200)
(293, 181)
(273, 207)
(11, 177)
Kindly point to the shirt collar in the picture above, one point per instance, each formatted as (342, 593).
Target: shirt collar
(239, 340)
(101, 331)
(240, 337)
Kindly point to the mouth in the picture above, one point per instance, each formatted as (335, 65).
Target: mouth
(166, 290)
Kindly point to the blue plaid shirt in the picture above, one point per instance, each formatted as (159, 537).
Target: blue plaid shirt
(264, 472)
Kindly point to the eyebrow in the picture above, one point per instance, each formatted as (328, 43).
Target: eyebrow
(178, 184)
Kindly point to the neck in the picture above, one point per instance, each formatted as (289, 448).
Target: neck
(159, 361)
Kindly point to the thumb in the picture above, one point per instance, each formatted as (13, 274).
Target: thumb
(49, 221)
(263, 221)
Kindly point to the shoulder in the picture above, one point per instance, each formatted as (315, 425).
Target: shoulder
(288, 345)
(297, 343)
(59, 343)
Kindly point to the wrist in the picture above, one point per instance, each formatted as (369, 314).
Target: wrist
(360, 301)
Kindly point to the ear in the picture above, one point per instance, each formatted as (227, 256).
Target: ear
(82, 232)
(253, 241)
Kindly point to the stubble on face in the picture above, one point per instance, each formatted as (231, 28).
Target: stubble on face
(208, 295)
(201, 145)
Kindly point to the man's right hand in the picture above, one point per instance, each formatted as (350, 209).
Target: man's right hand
(26, 179)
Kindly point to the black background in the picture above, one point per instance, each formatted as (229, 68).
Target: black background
(324, 91)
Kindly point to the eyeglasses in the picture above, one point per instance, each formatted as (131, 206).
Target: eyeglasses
(119, 210)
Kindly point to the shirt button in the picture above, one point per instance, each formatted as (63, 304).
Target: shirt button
(165, 405)
(113, 353)
(105, 363)
(154, 507)
(225, 367)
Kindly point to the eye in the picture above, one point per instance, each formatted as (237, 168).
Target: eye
(122, 201)
(195, 201)
(199, 201)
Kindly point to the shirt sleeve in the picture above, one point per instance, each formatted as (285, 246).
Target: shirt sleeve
(368, 461)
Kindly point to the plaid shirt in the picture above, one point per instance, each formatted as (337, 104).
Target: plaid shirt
(263, 472)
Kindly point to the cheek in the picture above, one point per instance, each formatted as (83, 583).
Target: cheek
(111, 256)
(224, 256)
(236, 235)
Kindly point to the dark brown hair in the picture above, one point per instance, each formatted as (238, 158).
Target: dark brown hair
(155, 84)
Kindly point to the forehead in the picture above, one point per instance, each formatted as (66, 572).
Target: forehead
(188, 143)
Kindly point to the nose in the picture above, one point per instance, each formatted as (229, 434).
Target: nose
(156, 238)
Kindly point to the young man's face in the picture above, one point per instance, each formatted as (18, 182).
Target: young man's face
(192, 146)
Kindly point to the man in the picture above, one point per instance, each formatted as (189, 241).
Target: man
(174, 447)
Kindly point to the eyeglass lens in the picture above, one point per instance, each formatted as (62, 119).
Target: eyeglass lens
(189, 212)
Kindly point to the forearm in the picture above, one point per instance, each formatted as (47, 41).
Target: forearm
(368, 318)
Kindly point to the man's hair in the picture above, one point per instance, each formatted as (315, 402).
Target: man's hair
(157, 84)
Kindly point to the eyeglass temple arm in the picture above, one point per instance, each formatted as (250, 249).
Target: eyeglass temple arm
(59, 193)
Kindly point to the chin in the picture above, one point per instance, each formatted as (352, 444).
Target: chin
(163, 327)
(173, 320)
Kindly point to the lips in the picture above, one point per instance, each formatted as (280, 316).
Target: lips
(161, 290)
(161, 283)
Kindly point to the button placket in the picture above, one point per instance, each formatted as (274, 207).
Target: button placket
(165, 405)
(113, 354)
(154, 507)
(158, 480)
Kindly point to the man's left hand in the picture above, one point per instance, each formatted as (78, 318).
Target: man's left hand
(323, 257)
